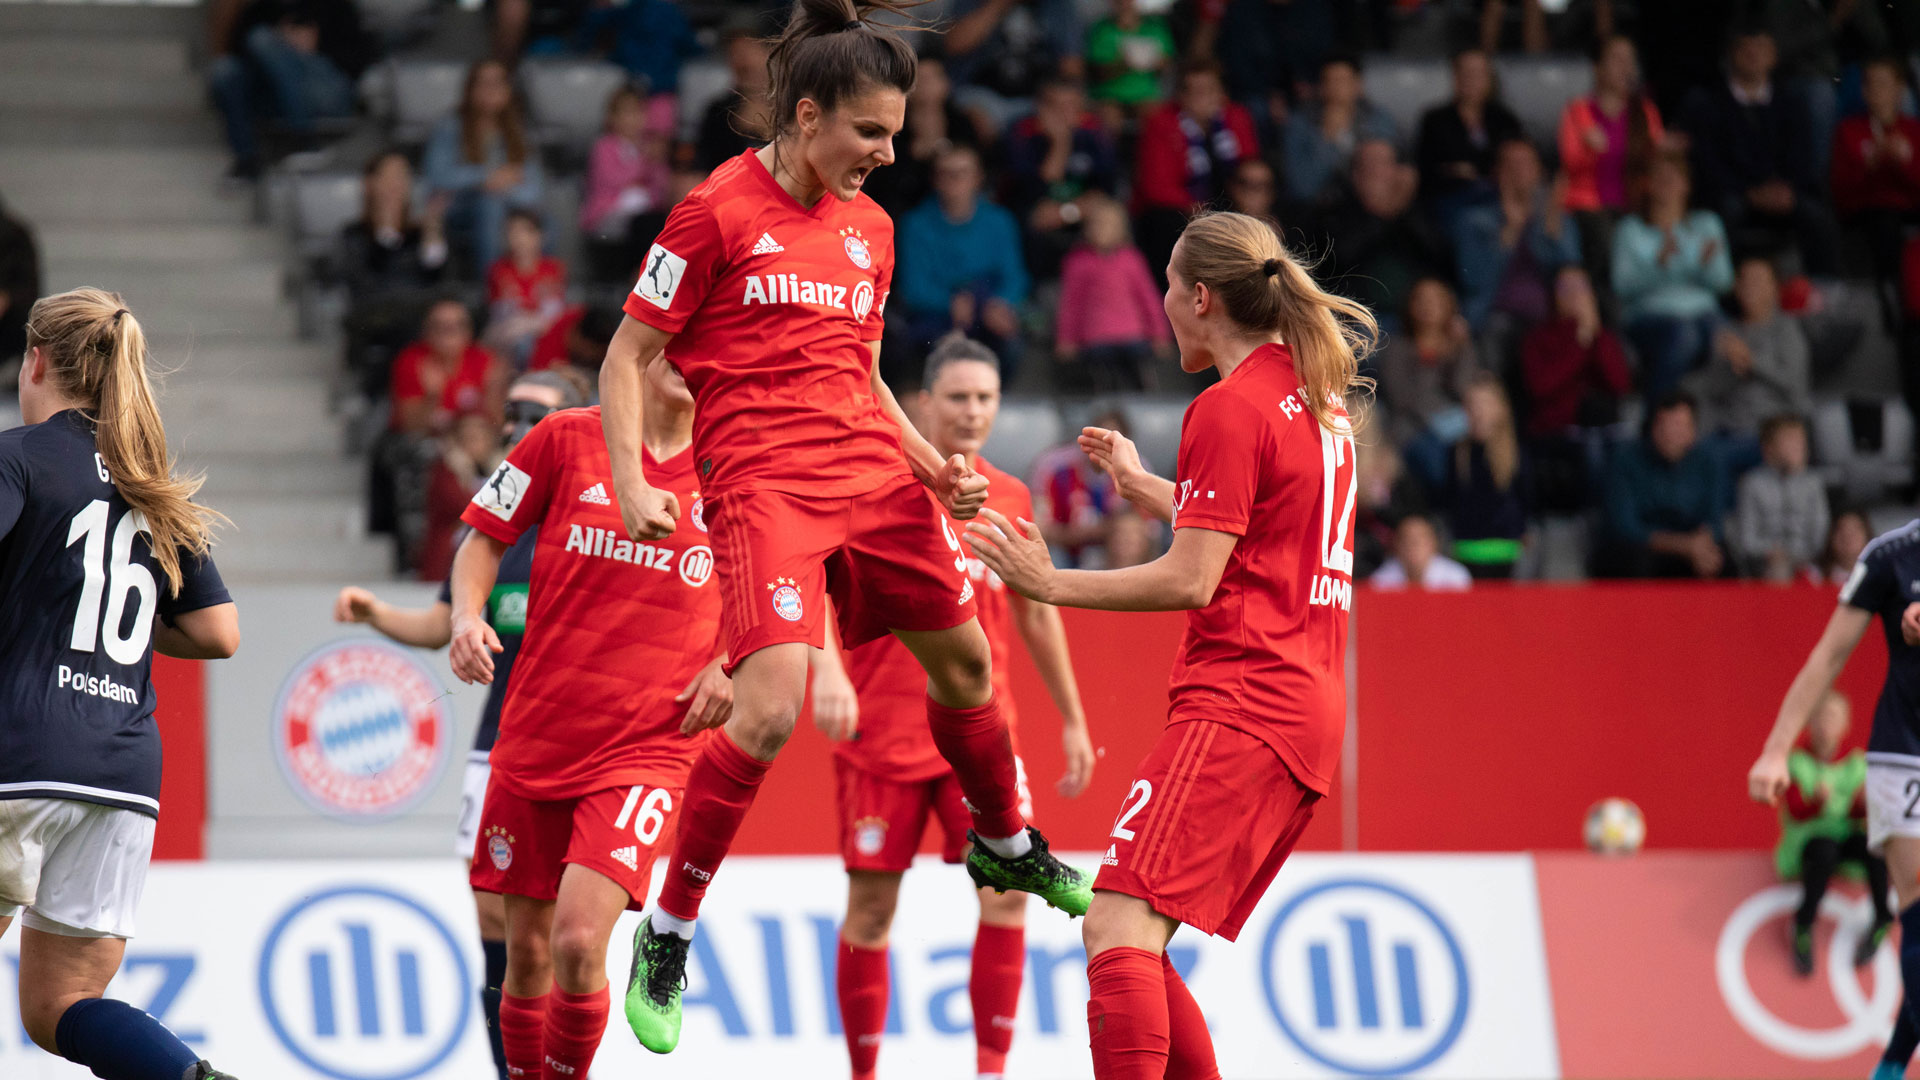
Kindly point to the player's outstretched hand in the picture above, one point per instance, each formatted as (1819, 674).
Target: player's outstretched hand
(649, 513)
(711, 693)
(1113, 454)
(1080, 758)
(354, 605)
(836, 708)
(1015, 552)
(474, 644)
(1910, 624)
(961, 490)
(1767, 780)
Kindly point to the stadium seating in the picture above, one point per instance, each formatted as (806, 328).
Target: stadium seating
(424, 92)
(1537, 89)
(1405, 88)
(1025, 430)
(323, 205)
(567, 101)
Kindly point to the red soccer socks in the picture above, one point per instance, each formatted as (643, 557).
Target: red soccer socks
(575, 1023)
(975, 742)
(1189, 1044)
(860, 981)
(720, 791)
(999, 960)
(523, 1024)
(1127, 1015)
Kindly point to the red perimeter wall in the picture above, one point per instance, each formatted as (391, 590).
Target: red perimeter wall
(182, 716)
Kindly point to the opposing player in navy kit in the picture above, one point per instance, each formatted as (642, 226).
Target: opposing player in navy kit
(103, 560)
(1885, 582)
(529, 400)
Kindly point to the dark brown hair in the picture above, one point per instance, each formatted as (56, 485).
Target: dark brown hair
(513, 127)
(830, 51)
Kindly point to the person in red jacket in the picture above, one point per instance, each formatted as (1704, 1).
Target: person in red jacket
(1188, 150)
(1575, 374)
(1607, 139)
(1876, 167)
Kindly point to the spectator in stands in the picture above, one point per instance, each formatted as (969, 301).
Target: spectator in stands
(1384, 494)
(1252, 190)
(1817, 41)
(19, 284)
(726, 131)
(1457, 140)
(1111, 323)
(1322, 135)
(1057, 159)
(650, 38)
(1000, 51)
(1271, 50)
(1607, 140)
(1417, 562)
(445, 375)
(1752, 165)
(1575, 375)
(1760, 368)
(1085, 521)
(1781, 514)
(1847, 537)
(526, 289)
(1377, 246)
(629, 180)
(1666, 500)
(1128, 56)
(1188, 148)
(1424, 371)
(468, 455)
(933, 124)
(1823, 825)
(1876, 170)
(390, 263)
(291, 62)
(1507, 253)
(1487, 483)
(535, 27)
(960, 262)
(1670, 268)
(481, 158)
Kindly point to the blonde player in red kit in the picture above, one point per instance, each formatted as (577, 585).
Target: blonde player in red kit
(1263, 558)
(614, 690)
(766, 290)
(888, 776)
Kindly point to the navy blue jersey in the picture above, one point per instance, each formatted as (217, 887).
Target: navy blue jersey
(507, 614)
(79, 590)
(1884, 582)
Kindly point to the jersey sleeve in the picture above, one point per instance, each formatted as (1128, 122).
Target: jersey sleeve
(875, 326)
(514, 498)
(1219, 471)
(680, 269)
(13, 484)
(200, 587)
(1872, 586)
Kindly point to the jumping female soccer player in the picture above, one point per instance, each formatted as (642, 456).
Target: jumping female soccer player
(1880, 585)
(888, 774)
(766, 290)
(531, 398)
(1263, 558)
(597, 734)
(103, 560)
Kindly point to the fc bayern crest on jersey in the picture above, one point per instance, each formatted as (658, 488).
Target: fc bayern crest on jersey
(699, 513)
(786, 599)
(869, 835)
(499, 846)
(856, 246)
(361, 729)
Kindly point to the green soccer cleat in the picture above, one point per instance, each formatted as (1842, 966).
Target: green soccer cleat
(1036, 872)
(1802, 952)
(1870, 943)
(654, 983)
(200, 1070)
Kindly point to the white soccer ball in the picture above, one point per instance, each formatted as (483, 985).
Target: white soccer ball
(1615, 827)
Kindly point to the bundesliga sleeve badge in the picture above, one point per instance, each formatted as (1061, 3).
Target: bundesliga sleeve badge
(501, 494)
(660, 277)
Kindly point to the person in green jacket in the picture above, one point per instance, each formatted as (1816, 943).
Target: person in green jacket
(1823, 826)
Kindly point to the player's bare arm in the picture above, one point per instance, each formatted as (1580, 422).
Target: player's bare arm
(1045, 635)
(1115, 455)
(422, 628)
(210, 633)
(710, 697)
(648, 512)
(1181, 580)
(1767, 780)
(961, 490)
(476, 566)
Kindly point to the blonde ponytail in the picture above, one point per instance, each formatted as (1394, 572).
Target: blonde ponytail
(1267, 291)
(96, 354)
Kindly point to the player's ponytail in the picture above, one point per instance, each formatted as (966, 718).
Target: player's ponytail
(1267, 291)
(831, 49)
(96, 354)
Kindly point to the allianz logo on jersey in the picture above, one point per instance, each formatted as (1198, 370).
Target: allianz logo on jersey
(695, 564)
(790, 289)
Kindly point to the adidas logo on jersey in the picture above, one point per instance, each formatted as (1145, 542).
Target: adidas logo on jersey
(767, 245)
(628, 856)
(1112, 857)
(597, 495)
(966, 591)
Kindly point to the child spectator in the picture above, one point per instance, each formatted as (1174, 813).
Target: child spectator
(1823, 825)
(960, 266)
(1670, 268)
(482, 160)
(526, 289)
(1127, 56)
(629, 179)
(1320, 138)
(1760, 367)
(1666, 500)
(1781, 515)
(1487, 484)
(1846, 538)
(468, 455)
(1111, 320)
(1576, 377)
(1417, 562)
(1607, 139)
(1424, 370)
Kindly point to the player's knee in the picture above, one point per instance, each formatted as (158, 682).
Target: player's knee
(579, 957)
(529, 966)
(761, 731)
(40, 1014)
(868, 923)
(965, 677)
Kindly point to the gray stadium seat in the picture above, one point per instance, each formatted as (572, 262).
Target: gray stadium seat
(1026, 428)
(397, 21)
(1406, 88)
(567, 99)
(702, 82)
(1537, 89)
(424, 91)
(323, 204)
(1866, 472)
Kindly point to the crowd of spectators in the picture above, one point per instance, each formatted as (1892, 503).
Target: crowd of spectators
(1605, 325)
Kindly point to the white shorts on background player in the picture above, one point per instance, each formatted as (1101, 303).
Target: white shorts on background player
(473, 798)
(77, 868)
(1893, 798)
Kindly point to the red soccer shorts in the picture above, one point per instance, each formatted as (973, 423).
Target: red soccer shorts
(526, 844)
(882, 820)
(1212, 814)
(888, 559)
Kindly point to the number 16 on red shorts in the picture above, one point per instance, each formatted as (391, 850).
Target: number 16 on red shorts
(525, 844)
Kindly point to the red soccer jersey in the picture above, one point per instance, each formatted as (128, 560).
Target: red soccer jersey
(894, 740)
(775, 308)
(1267, 655)
(615, 629)
(465, 389)
(528, 291)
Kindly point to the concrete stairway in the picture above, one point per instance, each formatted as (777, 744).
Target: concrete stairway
(109, 150)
